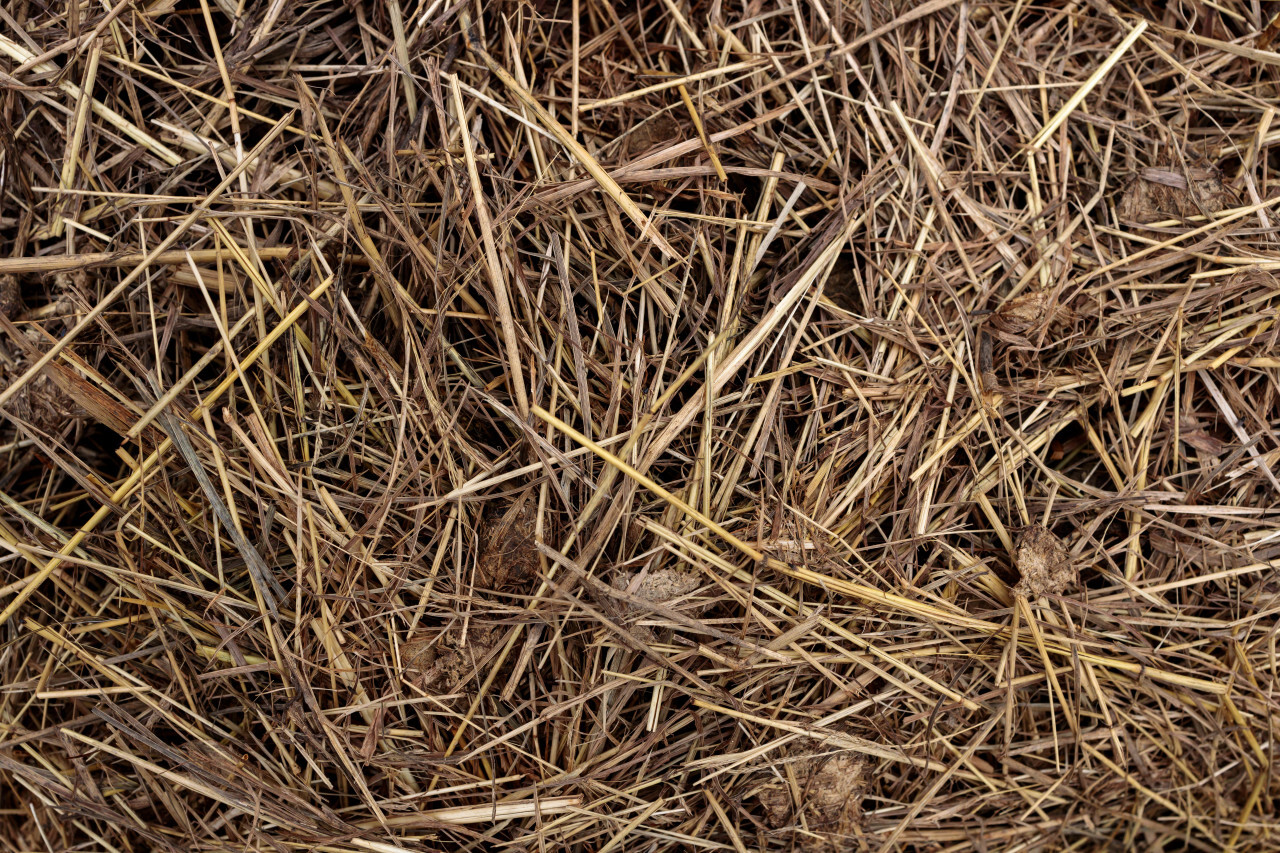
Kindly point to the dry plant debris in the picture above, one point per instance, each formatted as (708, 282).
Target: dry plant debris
(1021, 318)
(509, 548)
(10, 297)
(539, 425)
(446, 663)
(1157, 194)
(830, 790)
(661, 584)
(42, 402)
(1044, 565)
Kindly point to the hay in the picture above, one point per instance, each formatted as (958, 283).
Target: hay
(681, 426)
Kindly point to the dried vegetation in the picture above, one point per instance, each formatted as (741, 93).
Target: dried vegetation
(563, 425)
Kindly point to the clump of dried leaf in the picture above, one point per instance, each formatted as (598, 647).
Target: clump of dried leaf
(1045, 567)
(1020, 320)
(822, 796)
(42, 402)
(1160, 193)
(509, 548)
(451, 661)
(658, 129)
(662, 584)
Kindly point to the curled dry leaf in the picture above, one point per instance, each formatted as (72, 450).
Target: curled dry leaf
(1159, 193)
(1193, 433)
(1044, 563)
(44, 405)
(68, 296)
(831, 789)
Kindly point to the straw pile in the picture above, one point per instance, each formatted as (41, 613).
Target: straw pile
(682, 426)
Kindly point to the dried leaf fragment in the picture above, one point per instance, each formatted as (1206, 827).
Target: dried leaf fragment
(509, 547)
(41, 402)
(796, 541)
(445, 664)
(835, 795)
(830, 795)
(1044, 563)
(1193, 433)
(1159, 193)
(659, 585)
(1024, 315)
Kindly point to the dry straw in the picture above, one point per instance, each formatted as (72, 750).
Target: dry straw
(671, 426)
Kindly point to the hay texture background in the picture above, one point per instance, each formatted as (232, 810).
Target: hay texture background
(683, 425)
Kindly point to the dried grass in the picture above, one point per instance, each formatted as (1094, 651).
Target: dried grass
(683, 426)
